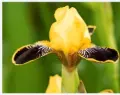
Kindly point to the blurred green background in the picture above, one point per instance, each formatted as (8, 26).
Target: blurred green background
(26, 23)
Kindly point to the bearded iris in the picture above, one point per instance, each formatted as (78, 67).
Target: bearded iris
(70, 40)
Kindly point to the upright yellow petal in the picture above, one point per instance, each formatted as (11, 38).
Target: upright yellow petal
(69, 32)
(60, 13)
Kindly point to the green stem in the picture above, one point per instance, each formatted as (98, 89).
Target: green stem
(70, 80)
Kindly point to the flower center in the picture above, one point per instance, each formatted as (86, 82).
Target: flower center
(70, 60)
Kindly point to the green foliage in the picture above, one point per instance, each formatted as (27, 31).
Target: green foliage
(26, 23)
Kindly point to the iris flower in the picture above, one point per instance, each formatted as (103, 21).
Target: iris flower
(70, 40)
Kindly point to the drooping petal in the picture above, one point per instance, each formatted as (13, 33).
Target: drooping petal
(54, 85)
(99, 54)
(31, 52)
(91, 29)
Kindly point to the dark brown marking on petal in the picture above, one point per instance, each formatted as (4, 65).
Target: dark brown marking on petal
(91, 29)
(29, 53)
(20, 52)
(99, 54)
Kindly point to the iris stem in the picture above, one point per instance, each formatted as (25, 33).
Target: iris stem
(70, 80)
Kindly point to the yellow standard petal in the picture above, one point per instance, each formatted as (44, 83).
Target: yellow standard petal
(69, 32)
(54, 85)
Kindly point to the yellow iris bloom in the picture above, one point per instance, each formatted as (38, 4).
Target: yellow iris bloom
(70, 40)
